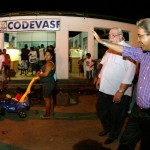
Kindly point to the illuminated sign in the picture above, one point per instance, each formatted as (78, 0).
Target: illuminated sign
(28, 25)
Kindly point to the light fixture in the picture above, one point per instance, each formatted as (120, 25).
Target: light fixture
(13, 52)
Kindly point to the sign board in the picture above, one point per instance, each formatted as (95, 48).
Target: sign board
(30, 25)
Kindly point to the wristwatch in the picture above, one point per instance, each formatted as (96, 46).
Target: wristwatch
(121, 91)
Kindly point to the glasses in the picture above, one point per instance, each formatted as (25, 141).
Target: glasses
(113, 36)
(141, 35)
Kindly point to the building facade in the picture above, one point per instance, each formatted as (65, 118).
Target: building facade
(70, 35)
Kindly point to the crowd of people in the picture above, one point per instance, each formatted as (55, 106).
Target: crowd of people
(43, 63)
(33, 59)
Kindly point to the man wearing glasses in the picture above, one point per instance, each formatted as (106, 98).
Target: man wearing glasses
(115, 88)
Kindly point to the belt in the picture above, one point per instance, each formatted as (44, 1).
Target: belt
(143, 109)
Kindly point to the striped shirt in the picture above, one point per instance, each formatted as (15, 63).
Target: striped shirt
(143, 87)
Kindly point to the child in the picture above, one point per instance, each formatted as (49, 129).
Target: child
(81, 67)
(89, 67)
(19, 94)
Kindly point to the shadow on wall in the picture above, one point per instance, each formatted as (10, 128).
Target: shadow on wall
(89, 144)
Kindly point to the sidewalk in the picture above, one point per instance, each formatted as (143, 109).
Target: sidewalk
(70, 124)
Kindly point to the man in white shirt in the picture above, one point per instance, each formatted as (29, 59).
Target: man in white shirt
(115, 82)
(33, 59)
(89, 67)
(41, 56)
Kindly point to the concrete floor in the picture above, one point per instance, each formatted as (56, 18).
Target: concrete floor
(29, 76)
(70, 125)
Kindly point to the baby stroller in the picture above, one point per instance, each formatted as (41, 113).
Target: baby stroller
(13, 105)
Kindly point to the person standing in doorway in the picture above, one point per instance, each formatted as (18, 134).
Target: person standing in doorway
(89, 67)
(81, 66)
(41, 53)
(7, 64)
(24, 59)
(33, 59)
(114, 82)
(52, 48)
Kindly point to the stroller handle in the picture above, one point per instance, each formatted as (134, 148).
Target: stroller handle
(28, 90)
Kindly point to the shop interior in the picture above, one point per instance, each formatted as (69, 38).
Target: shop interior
(78, 46)
(13, 42)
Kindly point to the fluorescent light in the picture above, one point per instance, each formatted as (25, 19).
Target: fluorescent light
(13, 52)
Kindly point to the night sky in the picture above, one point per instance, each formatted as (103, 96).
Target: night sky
(125, 9)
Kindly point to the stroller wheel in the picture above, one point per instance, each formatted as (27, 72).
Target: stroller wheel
(22, 114)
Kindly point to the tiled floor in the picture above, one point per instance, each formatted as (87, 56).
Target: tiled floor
(29, 76)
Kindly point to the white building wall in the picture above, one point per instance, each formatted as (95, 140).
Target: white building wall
(1, 40)
(77, 24)
(35, 36)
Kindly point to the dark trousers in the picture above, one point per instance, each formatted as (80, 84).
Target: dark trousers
(112, 115)
(89, 75)
(138, 127)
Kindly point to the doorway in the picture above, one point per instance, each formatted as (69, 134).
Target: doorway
(77, 50)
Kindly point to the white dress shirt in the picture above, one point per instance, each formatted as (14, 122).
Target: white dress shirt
(115, 71)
